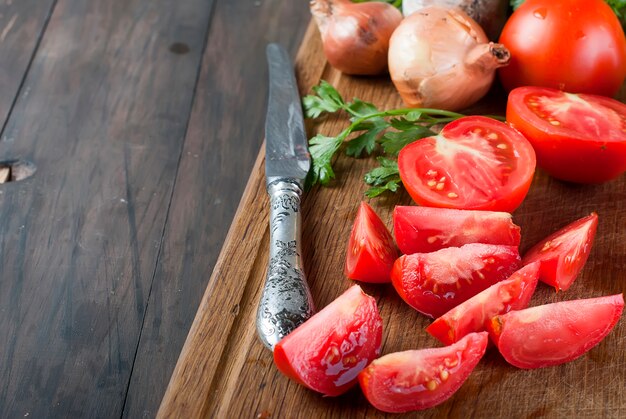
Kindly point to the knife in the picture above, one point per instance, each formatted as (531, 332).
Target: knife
(286, 300)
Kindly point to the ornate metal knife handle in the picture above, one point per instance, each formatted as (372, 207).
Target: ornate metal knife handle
(286, 301)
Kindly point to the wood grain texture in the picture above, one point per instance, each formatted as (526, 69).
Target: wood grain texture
(223, 138)
(224, 371)
(102, 114)
(22, 23)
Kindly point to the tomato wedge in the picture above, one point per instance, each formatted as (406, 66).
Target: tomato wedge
(475, 314)
(564, 253)
(420, 379)
(556, 333)
(473, 163)
(425, 229)
(371, 251)
(327, 352)
(433, 283)
(577, 138)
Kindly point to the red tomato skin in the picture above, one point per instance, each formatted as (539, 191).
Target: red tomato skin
(564, 153)
(371, 251)
(425, 229)
(554, 334)
(572, 45)
(475, 314)
(561, 261)
(488, 191)
(420, 379)
(327, 352)
(430, 282)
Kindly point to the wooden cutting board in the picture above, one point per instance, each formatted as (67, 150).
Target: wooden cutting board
(224, 370)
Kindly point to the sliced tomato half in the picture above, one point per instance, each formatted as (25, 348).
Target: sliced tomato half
(327, 352)
(371, 251)
(578, 138)
(421, 229)
(420, 379)
(553, 334)
(475, 314)
(473, 163)
(564, 253)
(433, 283)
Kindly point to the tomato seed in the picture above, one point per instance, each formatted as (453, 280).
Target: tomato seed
(492, 136)
(444, 374)
(555, 122)
(450, 362)
(431, 239)
(502, 146)
(431, 183)
(431, 385)
(452, 195)
(440, 186)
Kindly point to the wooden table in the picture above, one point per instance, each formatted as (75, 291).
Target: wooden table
(143, 119)
(224, 370)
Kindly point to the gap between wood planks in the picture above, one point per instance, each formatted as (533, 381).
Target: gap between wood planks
(44, 28)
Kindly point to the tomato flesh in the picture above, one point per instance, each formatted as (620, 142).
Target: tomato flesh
(420, 379)
(572, 45)
(475, 314)
(327, 352)
(424, 229)
(433, 283)
(371, 251)
(553, 334)
(473, 163)
(563, 253)
(577, 138)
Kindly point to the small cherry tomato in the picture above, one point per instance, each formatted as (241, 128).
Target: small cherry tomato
(327, 352)
(563, 253)
(572, 45)
(425, 229)
(553, 334)
(473, 163)
(420, 379)
(371, 251)
(578, 138)
(433, 283)
(475, 314)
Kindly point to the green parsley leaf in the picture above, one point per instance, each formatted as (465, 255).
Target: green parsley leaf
(326, 99)
(322, 150)
(394, 141)
(395, 3)
(384, 178)
(365, 142)
(358, 108)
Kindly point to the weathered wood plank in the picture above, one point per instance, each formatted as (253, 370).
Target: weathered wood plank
(22, 23)
(225, 371)
(109, 96)
(222, 143)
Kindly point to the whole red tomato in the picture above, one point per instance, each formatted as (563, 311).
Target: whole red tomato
(572, 45)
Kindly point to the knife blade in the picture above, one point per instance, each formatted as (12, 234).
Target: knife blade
(286, 300)
(286, 151)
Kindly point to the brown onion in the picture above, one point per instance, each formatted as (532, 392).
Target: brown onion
(441, 58)
(356, 35)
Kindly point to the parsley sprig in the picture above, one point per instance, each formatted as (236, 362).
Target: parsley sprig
(385, 131)
(395, 3)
